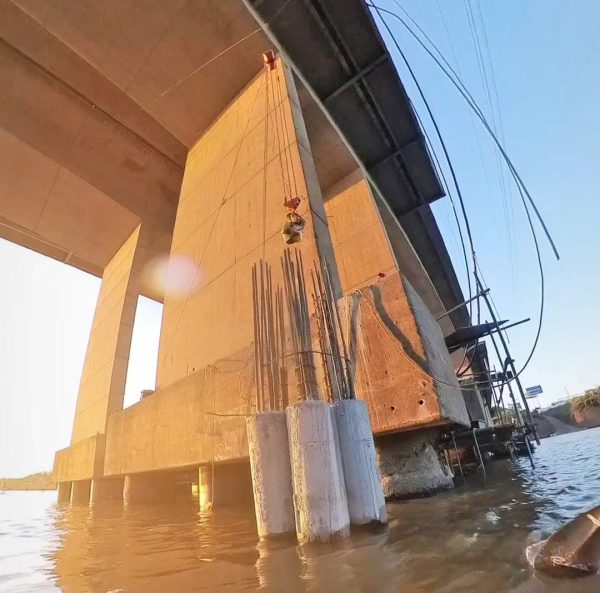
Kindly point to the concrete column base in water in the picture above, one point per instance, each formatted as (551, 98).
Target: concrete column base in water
(224, 484)
(205, 487)
(106, 489)
(80, 491)
(366, 503)
(149, 488)
(63, 492)
(410, 465)
(320, 503)
(269, 452)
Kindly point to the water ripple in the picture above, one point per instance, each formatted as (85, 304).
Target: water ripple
(473, 538)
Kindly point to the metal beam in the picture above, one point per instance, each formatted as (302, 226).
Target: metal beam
(479, 294)
(360, 74)
(324, 21)
(398, 152)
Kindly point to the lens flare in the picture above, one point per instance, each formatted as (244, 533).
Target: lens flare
(173, 275)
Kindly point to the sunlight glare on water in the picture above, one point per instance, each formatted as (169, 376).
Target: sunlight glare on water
(471, 539)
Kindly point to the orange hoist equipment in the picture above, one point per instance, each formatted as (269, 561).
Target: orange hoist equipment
(294, 224)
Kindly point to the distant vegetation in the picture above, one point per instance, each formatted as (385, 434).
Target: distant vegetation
(39, 481)
(591, 398)
(565, 410)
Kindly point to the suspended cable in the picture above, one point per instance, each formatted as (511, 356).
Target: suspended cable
(493, 74)
(496, 120)
(524, 193)
(449, 194)
(507, 209)
(475, 348)
(445, 26)
(442, 144)
(265, 162)
(287, 142)
(454, 177)
(479, 56)
(477, 384)
(467, 96)
(285, 182)
(226, 50)
(542, 286)
(294, 224)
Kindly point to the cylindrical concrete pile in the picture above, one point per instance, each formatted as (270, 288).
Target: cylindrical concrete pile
(366, 503)
(338, 452)
(271, 473)
(319, 497)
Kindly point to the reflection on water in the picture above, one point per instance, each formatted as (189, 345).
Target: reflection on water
(472, 538)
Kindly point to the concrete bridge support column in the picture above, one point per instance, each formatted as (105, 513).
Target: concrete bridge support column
(231, 211)
(80, 492)
(101, 393)
(149, 488)
(224, 484)
(232, 484)
(205, 488)
(366, 503)
(63, 492)
(319, 495)
(397, 346)
(104, 373)
(410, 465)
(271, 473)
(106, 489)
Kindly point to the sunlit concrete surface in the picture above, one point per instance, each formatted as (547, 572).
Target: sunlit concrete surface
(132, 134)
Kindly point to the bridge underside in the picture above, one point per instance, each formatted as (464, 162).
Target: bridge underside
(101, 102)
(104, 109)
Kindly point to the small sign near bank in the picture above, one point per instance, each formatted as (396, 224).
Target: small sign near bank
(533, 391)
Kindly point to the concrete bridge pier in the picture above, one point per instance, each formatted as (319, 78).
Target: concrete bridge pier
(410, 465)
(106, 489)
(80, 491)
(224, 484)
(232, 484)
(149, 488)
(63, 492)
(205, 488)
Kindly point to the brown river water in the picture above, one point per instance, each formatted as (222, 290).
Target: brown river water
(475, 539)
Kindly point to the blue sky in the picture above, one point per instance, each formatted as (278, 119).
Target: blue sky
(545, 61)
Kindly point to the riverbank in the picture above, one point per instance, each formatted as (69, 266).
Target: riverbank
(39, 481)
(587, 415)
(581, 411)
(548, 426)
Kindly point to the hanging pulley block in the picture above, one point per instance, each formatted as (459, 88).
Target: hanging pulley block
(293, 227)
